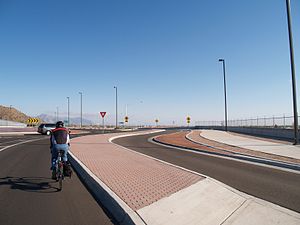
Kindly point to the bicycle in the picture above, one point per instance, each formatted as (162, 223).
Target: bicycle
(59, 167)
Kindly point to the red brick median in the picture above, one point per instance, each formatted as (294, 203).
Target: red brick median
(136, 179)
(179, 139)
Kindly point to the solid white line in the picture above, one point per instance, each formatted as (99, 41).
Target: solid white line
(6, 142)
(23, 142)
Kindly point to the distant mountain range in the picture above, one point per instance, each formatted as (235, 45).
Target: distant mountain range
(12, 114)
(73, 120)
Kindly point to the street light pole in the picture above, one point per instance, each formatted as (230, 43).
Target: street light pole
(80, 109)
(223, 61)
(116, 106)
(288, 8)
(68, 111)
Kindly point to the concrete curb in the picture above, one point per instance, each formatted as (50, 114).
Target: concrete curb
(238, 156)
(125, 215)
(122, 214)
(271, 162)
(116, 207)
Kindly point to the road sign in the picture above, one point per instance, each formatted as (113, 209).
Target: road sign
(102, 114)
(33, 120)
(126, 119)
(188, 119)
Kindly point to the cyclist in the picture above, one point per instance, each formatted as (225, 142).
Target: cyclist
(59, 140)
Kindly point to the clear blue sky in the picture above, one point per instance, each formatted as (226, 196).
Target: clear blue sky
(162, 55)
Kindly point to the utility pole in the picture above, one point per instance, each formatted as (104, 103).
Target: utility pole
(80, 109)
(289, 18)
(223, 61)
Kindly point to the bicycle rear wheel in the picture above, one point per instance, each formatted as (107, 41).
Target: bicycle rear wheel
(60, 175)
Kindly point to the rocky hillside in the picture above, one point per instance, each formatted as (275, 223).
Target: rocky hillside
(12, 114)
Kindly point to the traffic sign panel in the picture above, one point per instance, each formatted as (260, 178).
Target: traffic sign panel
(102, 114)
(188, 119)
(33, 120)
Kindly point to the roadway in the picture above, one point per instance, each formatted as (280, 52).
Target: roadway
(8, 140)
(29, 197)
(274, 185)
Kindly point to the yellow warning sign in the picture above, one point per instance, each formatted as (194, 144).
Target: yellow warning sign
(33, 120)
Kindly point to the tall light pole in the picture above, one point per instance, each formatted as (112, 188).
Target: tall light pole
(80, 109)
(116, 106)
(223, 61)
(68, 111)
(289, 18)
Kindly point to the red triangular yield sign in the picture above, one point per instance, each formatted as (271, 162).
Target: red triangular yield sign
(102, 114)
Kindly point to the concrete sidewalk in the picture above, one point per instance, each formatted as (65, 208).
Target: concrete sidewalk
(282, 149)
(151, 191)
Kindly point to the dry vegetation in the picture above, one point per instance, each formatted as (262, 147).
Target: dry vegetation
(12, 114)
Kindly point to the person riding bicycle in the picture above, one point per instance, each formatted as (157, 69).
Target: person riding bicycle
(59, 140)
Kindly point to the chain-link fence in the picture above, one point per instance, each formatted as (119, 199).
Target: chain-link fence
(274, 121)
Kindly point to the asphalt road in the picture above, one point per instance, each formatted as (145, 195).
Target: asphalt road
(29, 197)
(7, 140)
(277, 186)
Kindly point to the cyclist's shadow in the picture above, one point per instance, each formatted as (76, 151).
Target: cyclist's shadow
(30, 184)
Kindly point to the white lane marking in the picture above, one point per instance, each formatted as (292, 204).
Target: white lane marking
(225, 157)
(6, 142)
(23, 142)
(135, 134)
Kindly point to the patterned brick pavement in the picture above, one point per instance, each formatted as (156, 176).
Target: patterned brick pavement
(137, 180)
(180, 139)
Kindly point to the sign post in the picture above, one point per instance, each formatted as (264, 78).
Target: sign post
(102, 114)
(126, 119)
(156, 122)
